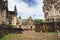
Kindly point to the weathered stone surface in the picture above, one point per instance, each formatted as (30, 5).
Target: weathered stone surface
(51, 9)
(7, 17)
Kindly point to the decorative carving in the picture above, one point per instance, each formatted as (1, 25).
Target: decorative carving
(57, 6)
(46, 7)
(51, 6)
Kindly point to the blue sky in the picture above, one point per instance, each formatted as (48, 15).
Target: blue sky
(27, 8)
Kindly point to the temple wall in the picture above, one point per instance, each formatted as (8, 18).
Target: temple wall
(14, 20)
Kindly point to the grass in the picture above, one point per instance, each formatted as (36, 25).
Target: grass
(12, 36)
(9, 36)
(4, 37)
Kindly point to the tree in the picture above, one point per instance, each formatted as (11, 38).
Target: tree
(37, 21)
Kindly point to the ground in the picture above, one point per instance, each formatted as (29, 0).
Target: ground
(30, 35)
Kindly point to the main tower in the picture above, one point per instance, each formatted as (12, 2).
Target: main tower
(51, 10)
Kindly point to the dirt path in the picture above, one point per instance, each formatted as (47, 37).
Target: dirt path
(30, 35)
(41, 36)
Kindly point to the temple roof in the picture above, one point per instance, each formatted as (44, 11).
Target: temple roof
(11, 11)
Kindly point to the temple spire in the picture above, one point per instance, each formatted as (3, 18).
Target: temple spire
(15, 9)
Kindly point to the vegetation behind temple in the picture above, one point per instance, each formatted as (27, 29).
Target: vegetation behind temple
(37, 21)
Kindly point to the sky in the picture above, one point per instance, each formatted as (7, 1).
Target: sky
(27, 8)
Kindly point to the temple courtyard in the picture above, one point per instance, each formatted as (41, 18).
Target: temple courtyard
(31, 35)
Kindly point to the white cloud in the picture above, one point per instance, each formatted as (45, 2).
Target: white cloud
(25, 11)
(11, 4)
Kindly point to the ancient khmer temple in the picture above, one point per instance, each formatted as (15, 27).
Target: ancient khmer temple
(7, 17)
(51, 9)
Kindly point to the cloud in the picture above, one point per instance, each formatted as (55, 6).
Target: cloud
(28, 8)
(11, 4)
(30, 2)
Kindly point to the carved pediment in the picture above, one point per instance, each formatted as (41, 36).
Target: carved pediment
(57, 6)
(47, 7)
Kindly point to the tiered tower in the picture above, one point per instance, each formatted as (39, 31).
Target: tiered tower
(51, 9)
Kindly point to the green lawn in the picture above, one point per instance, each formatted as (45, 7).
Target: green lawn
(10, 36)
(13, 37)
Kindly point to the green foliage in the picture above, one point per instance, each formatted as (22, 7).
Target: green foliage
(37, 21)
